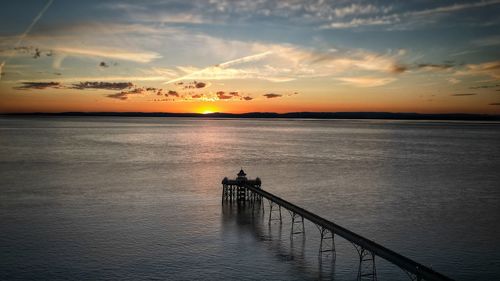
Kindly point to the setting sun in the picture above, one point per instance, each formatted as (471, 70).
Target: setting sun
(207, 109)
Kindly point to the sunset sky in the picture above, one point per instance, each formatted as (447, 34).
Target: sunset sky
(247, 56)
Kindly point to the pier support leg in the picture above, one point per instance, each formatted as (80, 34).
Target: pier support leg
(225, 193)
(413, 277)
(241, 194)
(327, 242)
(366, 269)
(274, 208)
(297, 224)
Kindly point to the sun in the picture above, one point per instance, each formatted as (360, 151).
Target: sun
(207, 110)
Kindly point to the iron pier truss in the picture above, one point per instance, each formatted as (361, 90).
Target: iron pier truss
(244, 190)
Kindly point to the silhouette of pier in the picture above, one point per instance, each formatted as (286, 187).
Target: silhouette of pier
(244, 190)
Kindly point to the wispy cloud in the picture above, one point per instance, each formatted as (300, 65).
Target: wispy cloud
(110, 78)
(119, 96)
(224, 11)
(173, 93)
(120, 54)
(487, 41)
(485, 86)
(221, 66)
(102, 85)
(491, 69)
(223, 96)
(434, 66)
(366, 81)
(250, 58)
(360, 22)
(453, 8)
(27, 31)
(39, 85)
(463, 95)
(285, 62)
(272, 95)
(405, 17)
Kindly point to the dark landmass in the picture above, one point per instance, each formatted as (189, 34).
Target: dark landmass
(291, 115)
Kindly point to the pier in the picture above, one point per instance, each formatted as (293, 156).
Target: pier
(242, 190)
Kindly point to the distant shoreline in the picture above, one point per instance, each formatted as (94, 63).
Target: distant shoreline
(290, 115)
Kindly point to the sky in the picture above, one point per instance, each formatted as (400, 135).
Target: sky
(250, 56)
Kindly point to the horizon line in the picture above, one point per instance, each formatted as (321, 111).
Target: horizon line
(268, 115)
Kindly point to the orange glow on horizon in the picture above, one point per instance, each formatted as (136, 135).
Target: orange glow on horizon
(79, 101)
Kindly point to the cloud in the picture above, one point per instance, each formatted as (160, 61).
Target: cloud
(169, 13)
(358, 22)
(120, 96)
(434, 67)
(463, 95)
(114, 53)
(487, 41)
(272, 95)
(357, 9)
(39, 85)
(192, 85)
(286, 62)
(123, 95)
(224, 11)
(58, 60)
(366, 81)
(453, 81)
(34, 21)
(452, 8)
(485, 86)
(173, 93)
(223, 96)
(166, 72)
(409, 17)
(27, 31)
(103, 85)
(37, 53)
(77, 79)
(192, 72)
(34, 52)
(250, 58)
(491, 69)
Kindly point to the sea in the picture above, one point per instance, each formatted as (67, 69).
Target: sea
(140, 198)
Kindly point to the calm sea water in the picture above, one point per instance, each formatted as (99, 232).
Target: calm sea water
(140, 198)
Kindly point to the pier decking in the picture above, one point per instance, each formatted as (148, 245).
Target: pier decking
(242, 189)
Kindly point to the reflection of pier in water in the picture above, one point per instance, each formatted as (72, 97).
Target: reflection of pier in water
(245, 191)
(279, 243)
